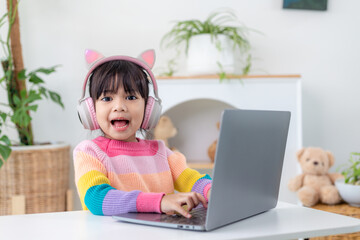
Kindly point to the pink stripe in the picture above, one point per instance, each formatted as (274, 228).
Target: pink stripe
(149, 202)
(141, 148)
(127, 164)
(206, 190)
(90, 148)
(141, 164)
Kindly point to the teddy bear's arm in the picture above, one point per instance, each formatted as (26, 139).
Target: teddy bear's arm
(296, 182)
(335, 176)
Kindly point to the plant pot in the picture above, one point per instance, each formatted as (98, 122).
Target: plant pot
(38, 174)
(203, 55)
(349, 192)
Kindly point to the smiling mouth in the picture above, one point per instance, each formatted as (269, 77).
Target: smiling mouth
(119, 123)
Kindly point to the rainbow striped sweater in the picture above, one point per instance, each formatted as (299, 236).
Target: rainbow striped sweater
(115, 177)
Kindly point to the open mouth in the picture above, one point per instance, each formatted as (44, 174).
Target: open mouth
(120, 123)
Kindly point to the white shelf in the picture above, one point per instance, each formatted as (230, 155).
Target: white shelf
(195, 103)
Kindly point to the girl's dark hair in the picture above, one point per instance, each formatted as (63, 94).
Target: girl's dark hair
(109, 76)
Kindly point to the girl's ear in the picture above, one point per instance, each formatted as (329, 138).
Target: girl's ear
(148, 57)
(91, 56)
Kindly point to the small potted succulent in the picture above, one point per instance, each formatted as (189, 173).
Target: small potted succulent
(210, 44)
(349, 186)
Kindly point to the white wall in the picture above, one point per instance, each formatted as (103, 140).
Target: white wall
(321, 46)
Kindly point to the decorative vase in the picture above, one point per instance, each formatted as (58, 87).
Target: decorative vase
(206, 54)
(39, 175)
(349, 192)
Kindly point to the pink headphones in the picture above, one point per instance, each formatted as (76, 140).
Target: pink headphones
(86, 108)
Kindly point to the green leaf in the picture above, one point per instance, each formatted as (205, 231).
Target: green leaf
(43, 92)
(3, 116)
(23, 94)
(32, 108)
(33, 96)
(46, 70)
(21, 117)
(35, 79)
(56, 98)
(3, 18)
(4, 153)
(6, 140)
(22, 75)
(16, 100)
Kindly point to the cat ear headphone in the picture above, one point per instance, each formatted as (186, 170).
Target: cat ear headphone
(86, 108)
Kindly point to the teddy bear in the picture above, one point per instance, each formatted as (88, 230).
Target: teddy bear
(164, 130)
(212, 147)
(315, 184)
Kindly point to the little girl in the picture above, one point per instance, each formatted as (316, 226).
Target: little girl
(118, 172)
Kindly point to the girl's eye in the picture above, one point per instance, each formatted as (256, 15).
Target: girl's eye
(131, 97)
(106, 99)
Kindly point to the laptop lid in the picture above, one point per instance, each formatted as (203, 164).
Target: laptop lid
(248, 165)
(247, 170)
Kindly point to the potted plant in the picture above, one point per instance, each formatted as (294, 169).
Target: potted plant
(349, 186)
(35, 173)
(210, 45)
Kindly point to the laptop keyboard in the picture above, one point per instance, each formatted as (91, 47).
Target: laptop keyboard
(198, 217)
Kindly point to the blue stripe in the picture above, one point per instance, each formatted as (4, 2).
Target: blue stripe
(94, 198)
(206, 177)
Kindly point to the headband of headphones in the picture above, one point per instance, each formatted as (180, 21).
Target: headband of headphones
(145, 60)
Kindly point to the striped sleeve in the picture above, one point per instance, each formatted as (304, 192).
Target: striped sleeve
(96, 193)
(185, 178)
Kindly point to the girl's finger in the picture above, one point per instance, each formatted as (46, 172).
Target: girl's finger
(196, 200)
(190, 203)
(182, 211)
(202, 200)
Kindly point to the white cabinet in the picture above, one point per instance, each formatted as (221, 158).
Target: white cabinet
(195, 104)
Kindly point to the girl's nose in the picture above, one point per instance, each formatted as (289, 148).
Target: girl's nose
(120, 106)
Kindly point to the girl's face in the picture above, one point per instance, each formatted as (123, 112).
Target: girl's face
(120, 114)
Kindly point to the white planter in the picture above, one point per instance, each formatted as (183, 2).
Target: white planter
(203, 55)
(349, 192)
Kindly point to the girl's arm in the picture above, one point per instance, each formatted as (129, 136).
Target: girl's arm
(187, 179)
(97, 195)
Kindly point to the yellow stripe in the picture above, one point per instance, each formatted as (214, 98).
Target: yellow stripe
(88, 180)
(187, 179)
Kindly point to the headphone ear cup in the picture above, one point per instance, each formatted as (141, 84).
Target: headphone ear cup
(152, 114)
(87, 115)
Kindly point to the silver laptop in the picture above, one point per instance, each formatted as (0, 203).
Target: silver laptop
(246, 175)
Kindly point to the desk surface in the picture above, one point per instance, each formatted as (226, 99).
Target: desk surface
(286, 221)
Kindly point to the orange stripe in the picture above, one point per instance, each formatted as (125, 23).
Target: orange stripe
(177, 162)
(155, 182)
(84, 163)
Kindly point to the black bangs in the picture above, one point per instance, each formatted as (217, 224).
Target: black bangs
(110, 76)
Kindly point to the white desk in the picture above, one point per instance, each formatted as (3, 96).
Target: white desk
(286, 221)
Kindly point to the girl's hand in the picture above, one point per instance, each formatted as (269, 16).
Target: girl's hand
(174, 202)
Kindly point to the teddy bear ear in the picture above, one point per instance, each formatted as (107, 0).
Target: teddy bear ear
(300, 153)
(331, 158)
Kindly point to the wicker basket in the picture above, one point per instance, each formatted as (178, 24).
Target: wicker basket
(343, 209)
(40, 173)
